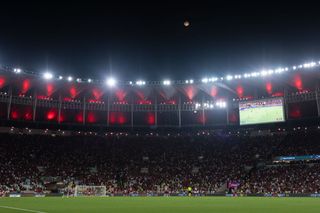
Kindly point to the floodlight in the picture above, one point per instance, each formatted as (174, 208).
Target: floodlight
(204, 80)
(89, 80)
(70, 78)
(47, 75)
(17, 70)
(166, 82)
(111, 82)
(60, 77)
(229, 77)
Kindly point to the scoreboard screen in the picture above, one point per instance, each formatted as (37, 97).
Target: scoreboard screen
(261, 111)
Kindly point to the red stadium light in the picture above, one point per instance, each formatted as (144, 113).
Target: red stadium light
(240, 91)
(26, 85)
(269, 88)
(214, 91)
(14, 114)
(73, 92)
(51, 115)
(151, 118)
(49, 89)
(91, 117)
(121, 94)
(2, 81)
(190, 91)
(97, 93)
(79, 117)
(298, 82)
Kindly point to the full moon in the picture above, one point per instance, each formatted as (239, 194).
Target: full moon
(186, 23)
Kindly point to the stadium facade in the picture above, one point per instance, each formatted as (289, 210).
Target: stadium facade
(35, 98)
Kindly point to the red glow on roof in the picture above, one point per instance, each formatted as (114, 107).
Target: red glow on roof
(190, 91)
(51, 114)
(240, 91)
(73, 92)
(298, 82)
(97, 93)
(117, 118)
(147, 102)
(79, 117)
(2, 81)
(14, 114)
(269, 87)
(213, 91)
(151, 118)
(91, 117)
(26, 85)
(49, 89)
(121, 94)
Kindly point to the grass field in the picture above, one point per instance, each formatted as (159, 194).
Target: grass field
(161, 204)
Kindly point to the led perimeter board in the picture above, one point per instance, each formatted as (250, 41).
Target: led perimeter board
(261, 111)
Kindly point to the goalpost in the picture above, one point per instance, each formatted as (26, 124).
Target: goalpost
(85, 190)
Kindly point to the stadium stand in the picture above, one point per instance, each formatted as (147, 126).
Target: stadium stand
(154, 164)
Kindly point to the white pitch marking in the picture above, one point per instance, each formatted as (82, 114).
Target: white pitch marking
(19, 209)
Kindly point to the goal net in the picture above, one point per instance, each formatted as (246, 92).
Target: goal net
(84, 190)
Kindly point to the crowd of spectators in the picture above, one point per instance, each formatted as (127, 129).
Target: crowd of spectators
(158, 164)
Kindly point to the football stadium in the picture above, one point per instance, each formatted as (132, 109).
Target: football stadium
(246, 140)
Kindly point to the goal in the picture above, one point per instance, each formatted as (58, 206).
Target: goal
(85, 190)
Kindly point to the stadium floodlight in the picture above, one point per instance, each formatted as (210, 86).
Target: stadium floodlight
(187, 81)
(140, 83)
(263, 73)
(47, 75)
(221, 104)
(111, 82)
(89, 80)
(17, 70)
(214, 79)
(229, 77)
(205, 80)
(70, 78)
(60, 77)
(191, 81)
(78, 80)
(166, 82)
(270, 72)
(130, 82)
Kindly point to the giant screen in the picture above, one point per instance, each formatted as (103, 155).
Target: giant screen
(261, 111)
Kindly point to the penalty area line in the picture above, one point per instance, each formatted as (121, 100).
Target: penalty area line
(20, 209)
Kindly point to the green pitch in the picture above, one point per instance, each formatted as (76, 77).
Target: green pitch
(261, 115)
(161, 205)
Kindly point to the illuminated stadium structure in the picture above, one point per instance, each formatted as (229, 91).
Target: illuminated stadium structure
(211, 101)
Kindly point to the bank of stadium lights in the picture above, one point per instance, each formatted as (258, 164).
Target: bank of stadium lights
(229, 77)
(47, 76)
(60, 77)
(17, 70)
(78, 80)
(221, 104)
(208, 80)
(111, 82)
(140, 83)
(166, 82)
(89, 80)
(189, 81)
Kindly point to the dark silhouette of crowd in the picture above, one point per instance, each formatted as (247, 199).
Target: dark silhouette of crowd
(154, 164)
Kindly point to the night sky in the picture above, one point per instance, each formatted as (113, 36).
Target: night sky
(149, 41)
